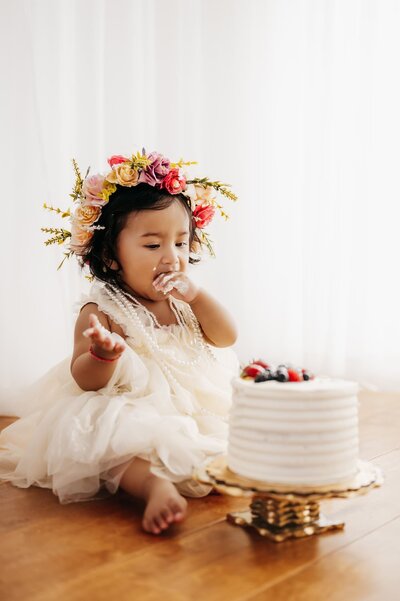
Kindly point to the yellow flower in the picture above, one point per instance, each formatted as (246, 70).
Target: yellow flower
(107, 190)
(123, 175)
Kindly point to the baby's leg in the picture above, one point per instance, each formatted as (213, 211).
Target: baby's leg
(164, 505)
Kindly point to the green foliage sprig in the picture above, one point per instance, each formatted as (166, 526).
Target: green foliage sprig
(218, 186)
(63, 214)
(77, 189)
(59, 235)
(67, 255)
(207, 241)
(181, 163)
(140, 161)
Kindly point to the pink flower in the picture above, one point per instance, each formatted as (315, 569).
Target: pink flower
(174, 182)
(202, 215)
(116, 159)
(79, 238)
(154, 173)
(92, 189)
(200, 194)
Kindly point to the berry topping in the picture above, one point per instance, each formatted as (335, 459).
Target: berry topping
(262, 363)
(251, 371)
(282, 374)
(265, 376)
(307, 375)
(259, 371)
(294, 375)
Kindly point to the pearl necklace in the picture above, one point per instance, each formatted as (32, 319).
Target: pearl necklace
(163, 356)
(198, 345)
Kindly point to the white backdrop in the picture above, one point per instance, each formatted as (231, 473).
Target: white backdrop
(293, 102)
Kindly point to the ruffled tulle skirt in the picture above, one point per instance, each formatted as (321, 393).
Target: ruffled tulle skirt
(79, 443)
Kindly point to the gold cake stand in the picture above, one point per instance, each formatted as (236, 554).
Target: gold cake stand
(282, 512)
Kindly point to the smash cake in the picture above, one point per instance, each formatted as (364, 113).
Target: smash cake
(291, 428)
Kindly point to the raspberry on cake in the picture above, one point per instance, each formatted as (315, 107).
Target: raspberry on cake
(252, 370)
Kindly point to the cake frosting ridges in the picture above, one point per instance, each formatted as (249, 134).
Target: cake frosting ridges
(294, 432)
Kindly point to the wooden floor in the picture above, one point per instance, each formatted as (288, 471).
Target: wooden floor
(97, 550)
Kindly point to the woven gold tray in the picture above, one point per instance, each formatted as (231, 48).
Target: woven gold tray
(280, 512)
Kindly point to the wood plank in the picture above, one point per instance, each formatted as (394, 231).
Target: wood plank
(98, 550)
(379, 425)
(373, 443)
(372, 402)
(73, 538)
(17, 506)
(366, 570)
(6, 421)
(224, 561)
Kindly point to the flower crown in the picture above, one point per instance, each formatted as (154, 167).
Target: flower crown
(93, 192)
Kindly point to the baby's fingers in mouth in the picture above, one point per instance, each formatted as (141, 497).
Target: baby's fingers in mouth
(163, 279)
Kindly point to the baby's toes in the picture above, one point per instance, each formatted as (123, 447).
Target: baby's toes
(167, 516)
(149, 525)
(145, 525)
(178, 510)
(155, 526)
(161, 522)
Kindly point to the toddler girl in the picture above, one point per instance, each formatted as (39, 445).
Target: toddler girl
(150, 388)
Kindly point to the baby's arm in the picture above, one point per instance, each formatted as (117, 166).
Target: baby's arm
(215, 321)
(92, 330)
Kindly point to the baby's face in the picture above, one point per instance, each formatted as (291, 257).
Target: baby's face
(153, 242)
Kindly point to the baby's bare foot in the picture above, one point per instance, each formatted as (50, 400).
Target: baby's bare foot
(164, 506)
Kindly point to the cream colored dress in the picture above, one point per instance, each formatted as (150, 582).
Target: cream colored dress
(167, 402)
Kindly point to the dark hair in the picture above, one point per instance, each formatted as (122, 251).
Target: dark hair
(101, 250)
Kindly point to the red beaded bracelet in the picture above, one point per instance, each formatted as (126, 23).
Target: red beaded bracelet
(102, 359)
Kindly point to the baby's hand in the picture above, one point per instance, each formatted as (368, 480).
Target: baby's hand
(178, 284)
(104, 342)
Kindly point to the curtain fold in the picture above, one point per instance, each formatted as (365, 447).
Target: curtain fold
(294, 103)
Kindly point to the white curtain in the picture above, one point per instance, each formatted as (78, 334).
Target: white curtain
(293, 102)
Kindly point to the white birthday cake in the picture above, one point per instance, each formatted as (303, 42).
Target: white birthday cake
(301, 432)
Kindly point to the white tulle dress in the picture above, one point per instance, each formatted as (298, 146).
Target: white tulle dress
(167, 402)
